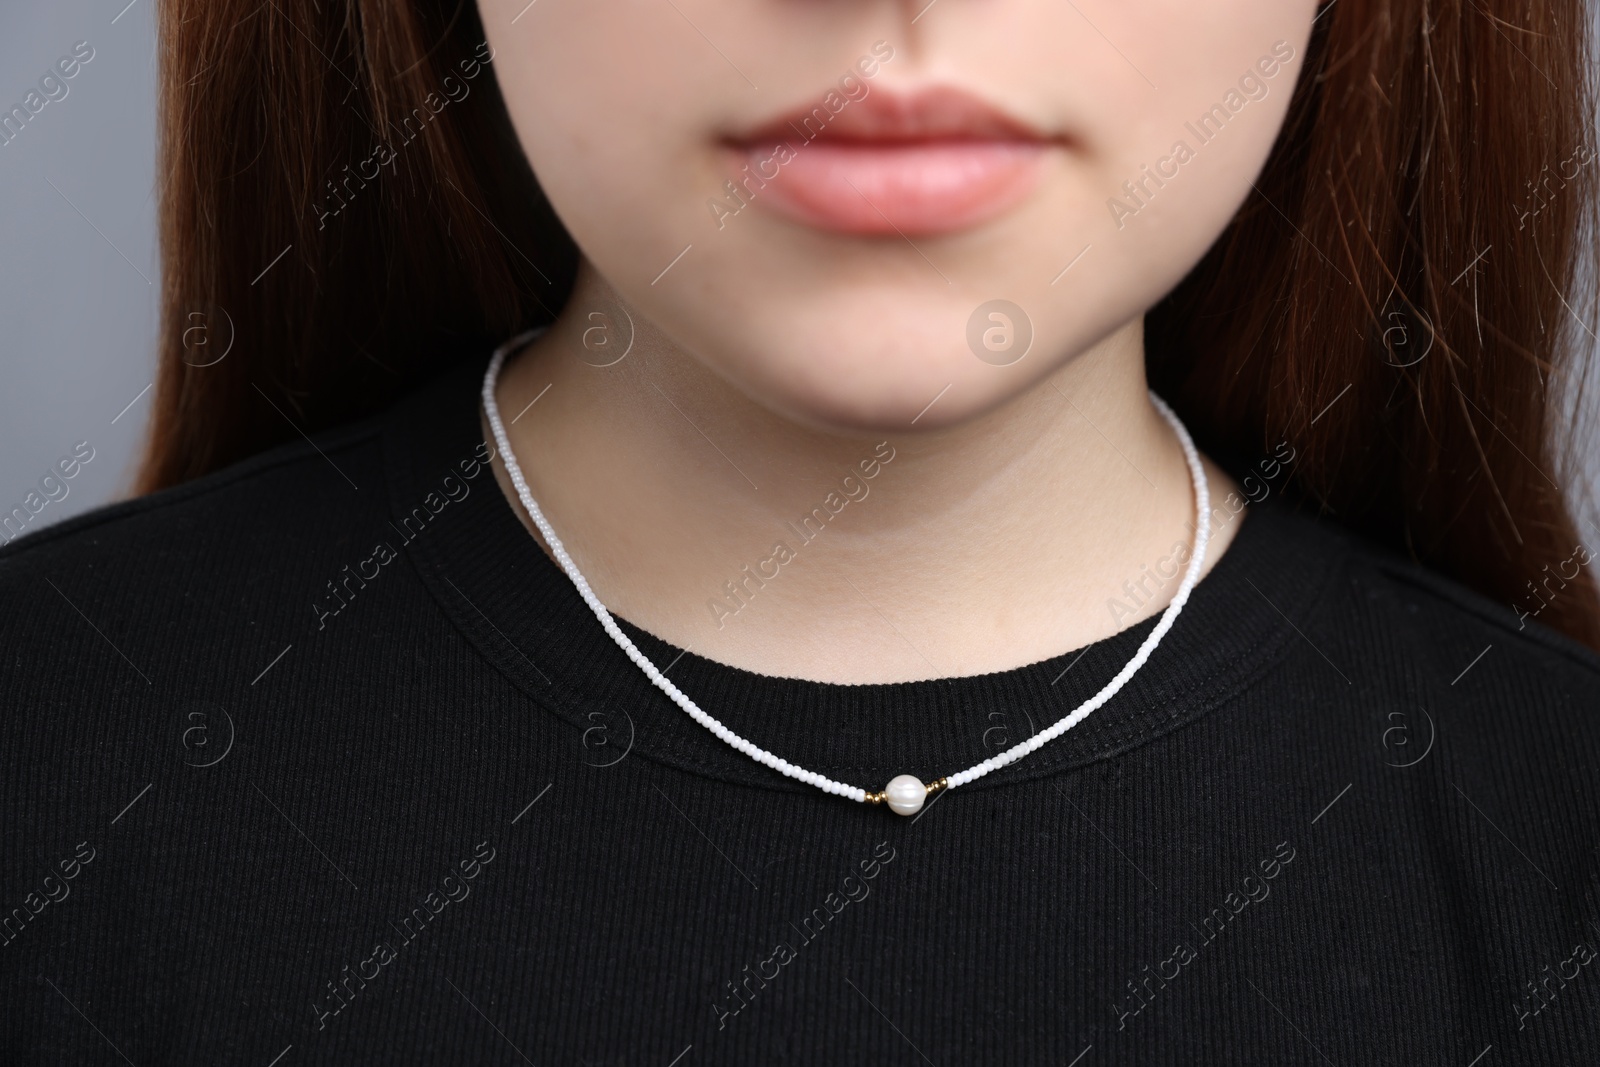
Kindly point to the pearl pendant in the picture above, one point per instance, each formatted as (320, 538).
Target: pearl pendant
(905, 794)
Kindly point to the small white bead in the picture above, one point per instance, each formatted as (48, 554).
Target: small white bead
(905, 794)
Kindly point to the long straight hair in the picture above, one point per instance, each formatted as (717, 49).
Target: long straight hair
(345, 204)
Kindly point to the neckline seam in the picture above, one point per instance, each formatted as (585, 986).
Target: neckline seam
(686, 753)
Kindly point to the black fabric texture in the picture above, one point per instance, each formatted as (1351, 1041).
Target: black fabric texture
(1346, 814)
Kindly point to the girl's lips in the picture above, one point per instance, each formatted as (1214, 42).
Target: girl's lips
(926, 187)
(933, 162)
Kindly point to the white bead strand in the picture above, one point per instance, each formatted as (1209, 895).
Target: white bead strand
(900, 792)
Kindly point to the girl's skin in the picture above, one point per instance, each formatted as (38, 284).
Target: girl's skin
(772, 358)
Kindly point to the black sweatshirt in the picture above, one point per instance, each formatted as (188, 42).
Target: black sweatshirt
(320, 759)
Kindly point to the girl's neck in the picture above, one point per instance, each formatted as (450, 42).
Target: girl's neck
(727, 529)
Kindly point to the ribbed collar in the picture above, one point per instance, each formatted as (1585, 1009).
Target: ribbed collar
(522, 613)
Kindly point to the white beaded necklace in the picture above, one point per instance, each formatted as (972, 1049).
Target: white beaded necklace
(904, 794)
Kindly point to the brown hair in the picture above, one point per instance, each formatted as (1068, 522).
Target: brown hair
(1396, 301)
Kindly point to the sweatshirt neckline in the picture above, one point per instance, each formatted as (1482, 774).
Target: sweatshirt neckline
(522, 613)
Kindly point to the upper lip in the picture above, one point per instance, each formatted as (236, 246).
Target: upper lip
(934, 113)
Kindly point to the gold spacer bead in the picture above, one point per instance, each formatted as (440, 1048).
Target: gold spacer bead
(876, 798)
(937, 785)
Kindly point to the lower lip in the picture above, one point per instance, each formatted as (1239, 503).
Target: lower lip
(922, 188)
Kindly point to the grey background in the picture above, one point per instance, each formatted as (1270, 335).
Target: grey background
(78, 271)
(78, 342)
